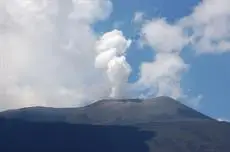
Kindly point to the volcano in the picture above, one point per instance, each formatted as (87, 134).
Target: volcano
(113, 111)
(161, 124)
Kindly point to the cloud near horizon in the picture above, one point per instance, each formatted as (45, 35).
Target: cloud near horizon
(51, 56)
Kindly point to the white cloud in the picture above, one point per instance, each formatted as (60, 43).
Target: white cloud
(111, 49)
(163, 37)
(138, 17)
(47, 51)
(209, 24)
(50, 55)
(91, 10)
(163, 75)
(206, 29)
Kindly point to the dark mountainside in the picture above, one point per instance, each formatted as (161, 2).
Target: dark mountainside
(116, 112)
(157, 125)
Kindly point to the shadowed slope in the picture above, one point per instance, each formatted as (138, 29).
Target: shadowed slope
(155, 125)
(18, 135)
(191, 136)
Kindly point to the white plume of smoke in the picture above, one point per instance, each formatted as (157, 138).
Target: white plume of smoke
(47, 52)
(111, 59)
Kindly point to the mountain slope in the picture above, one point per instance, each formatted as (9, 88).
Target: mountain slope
(160, 124)
(114, 111)
(191, 136)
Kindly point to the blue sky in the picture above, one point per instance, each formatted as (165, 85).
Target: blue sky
(55, 53)
(208, 75)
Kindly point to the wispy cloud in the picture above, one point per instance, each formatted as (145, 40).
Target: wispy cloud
(138, 17)
(223, 120)
(205, 29)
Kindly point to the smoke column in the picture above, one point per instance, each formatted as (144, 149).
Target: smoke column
(111, 59)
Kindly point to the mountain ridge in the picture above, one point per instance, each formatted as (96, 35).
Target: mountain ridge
(112, 111)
